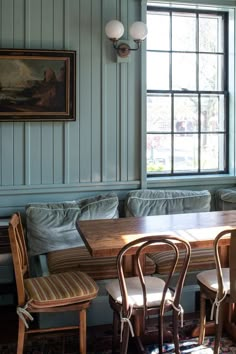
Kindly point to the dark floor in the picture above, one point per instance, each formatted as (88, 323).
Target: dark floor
(9, 326)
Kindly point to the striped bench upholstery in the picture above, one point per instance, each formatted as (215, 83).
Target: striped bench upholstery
(160, 202)
(67, 289)
(200, 259)
(78, 258)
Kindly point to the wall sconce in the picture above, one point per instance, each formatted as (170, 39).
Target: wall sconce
(114, 30)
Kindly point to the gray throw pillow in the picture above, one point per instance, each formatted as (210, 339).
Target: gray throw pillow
(52, 226)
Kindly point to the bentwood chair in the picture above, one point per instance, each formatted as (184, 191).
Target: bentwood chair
(219, 286)
(135, 299)
(71, 291)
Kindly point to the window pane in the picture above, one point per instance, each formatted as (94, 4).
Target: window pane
(184, 31)
(186, 113)
(187, 93)
(158, 24)
(157, 71)
(184, 71)
(158, 153)
(212, 152)
(159, 113)
(210, 29)
(212, 113)
(210, 72)
(185, 153)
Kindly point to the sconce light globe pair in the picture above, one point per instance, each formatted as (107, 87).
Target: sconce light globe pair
(114, 30)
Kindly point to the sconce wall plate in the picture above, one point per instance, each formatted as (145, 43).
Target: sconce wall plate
(125, 45)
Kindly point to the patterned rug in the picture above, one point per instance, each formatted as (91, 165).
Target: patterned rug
(99, 342)
(68, 345)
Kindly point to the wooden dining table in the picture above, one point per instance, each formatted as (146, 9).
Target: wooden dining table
(106, 237)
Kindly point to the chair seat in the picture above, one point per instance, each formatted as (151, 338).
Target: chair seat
(154, 285)
(79, 258)
(60, 289)
(200, 259)
(209, 279)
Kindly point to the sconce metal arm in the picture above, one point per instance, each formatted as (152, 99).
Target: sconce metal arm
(123, 49)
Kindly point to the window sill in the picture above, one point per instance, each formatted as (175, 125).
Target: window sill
(208, 182)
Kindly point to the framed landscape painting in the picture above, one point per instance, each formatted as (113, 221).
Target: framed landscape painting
(37, 85)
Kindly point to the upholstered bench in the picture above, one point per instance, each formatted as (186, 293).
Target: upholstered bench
(161, 202)
(52, 234)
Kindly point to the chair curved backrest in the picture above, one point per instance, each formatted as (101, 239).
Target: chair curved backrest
(150, 244)
(232, 264)
(19, 255)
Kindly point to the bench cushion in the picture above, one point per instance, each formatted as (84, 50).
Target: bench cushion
(201, 259)
(161, 202)
(226, 199)
(51, 226)
(79, 258)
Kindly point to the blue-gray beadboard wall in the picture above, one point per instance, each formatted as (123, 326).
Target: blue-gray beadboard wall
(104, 149)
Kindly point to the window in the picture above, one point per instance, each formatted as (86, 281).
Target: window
(187, 92)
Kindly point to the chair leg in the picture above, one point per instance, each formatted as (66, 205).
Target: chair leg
(176, 331)
(218, 330)
(21, 337)
(83, 332)
(125, 339)
(202, 318)
(139, 345)
(116, 322)
(160, 334)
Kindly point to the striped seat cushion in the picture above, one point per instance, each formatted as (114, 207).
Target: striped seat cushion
(60, 289)
(201, 259)
(78, 258)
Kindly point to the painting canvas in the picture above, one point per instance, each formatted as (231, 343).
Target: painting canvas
(37, 85)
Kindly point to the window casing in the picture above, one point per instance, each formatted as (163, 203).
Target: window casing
(187, 92)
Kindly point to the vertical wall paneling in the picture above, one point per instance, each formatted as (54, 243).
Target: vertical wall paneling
(58, 24)
(19, 21)
(105, 148)
(33, 33)
(66, 126)
(124, 96)
(7, 128)
(18, 154)
(7, 154)
(105, 50)
(47, 153)
(110, 11)
(47, 23)
(27, 165)
(58, 128)
(35, 153)
(34, 24)
(133, 109)
(97, 32)
(7, 23)
(47, 127)
(85, 89)
(73, 16)
(58, 155)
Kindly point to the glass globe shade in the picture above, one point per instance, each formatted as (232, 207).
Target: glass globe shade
(114, 29)
(138, 30)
